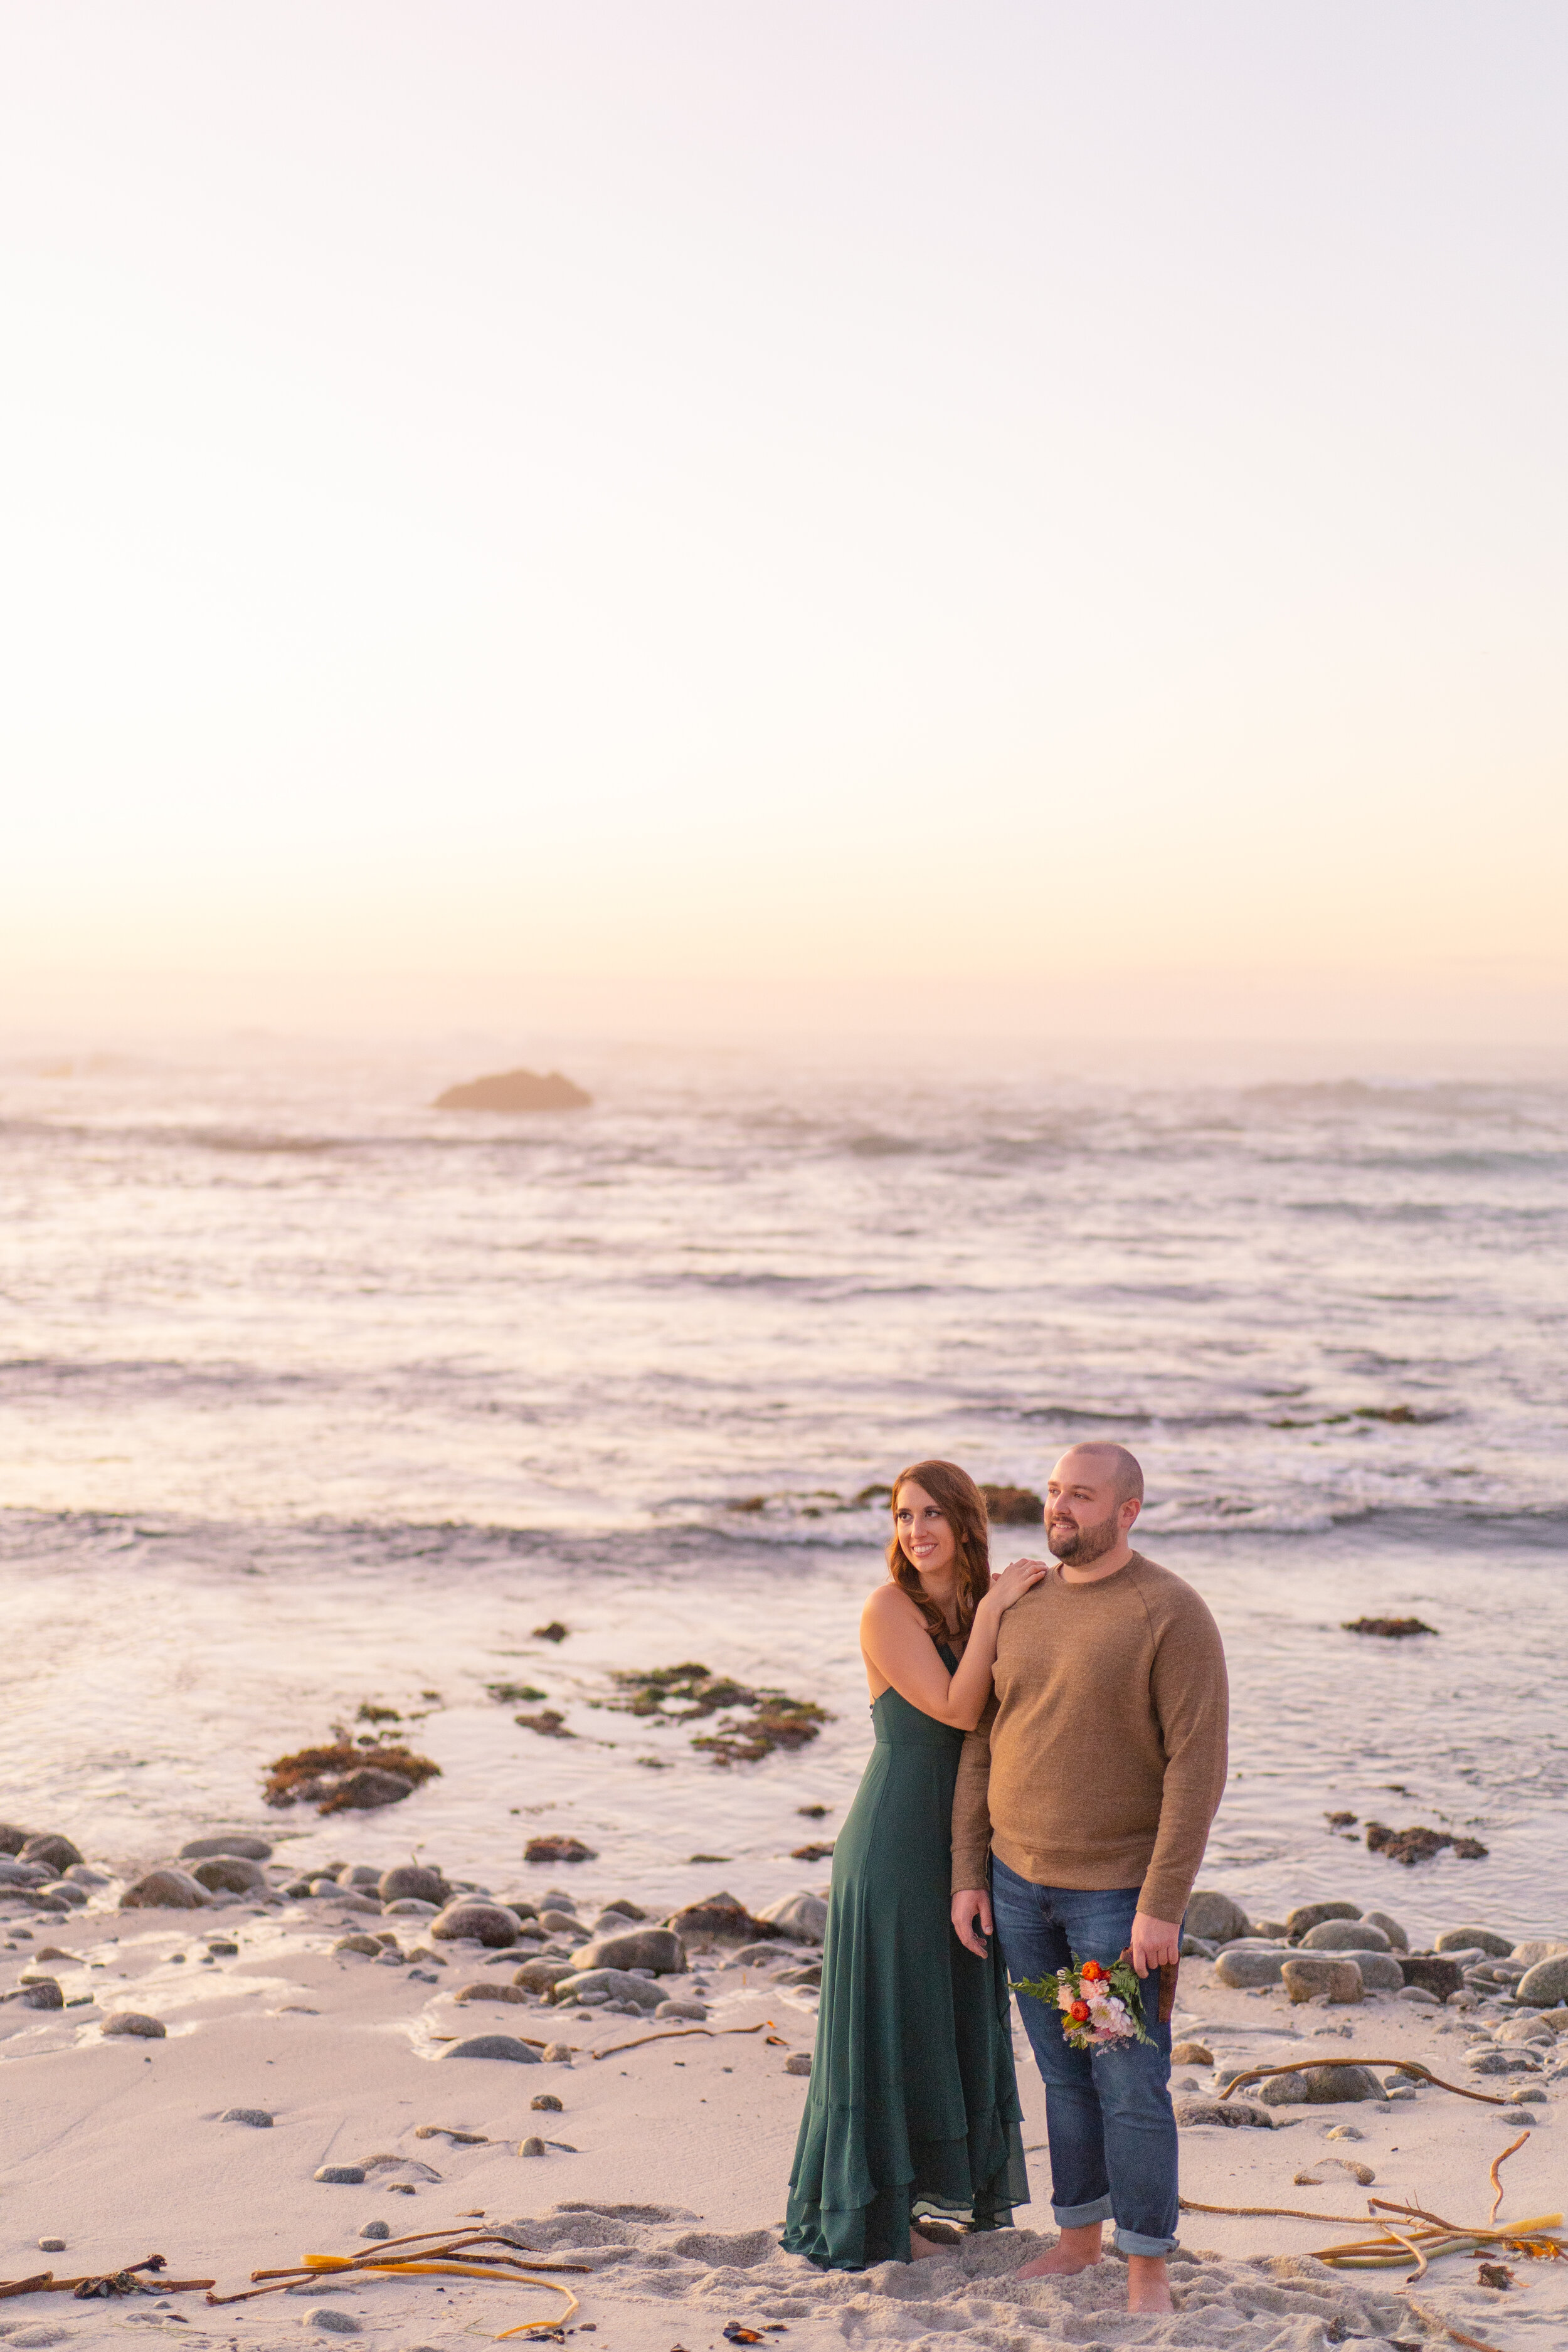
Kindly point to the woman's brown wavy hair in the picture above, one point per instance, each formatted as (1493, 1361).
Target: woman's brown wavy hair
(964, 1505)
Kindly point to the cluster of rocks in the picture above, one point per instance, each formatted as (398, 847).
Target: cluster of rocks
(45, 1872)
(1334, 1952)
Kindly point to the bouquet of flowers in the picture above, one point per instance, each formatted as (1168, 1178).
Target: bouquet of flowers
(1101, 2008)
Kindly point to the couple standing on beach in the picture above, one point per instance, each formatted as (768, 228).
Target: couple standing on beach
(1050, 1751)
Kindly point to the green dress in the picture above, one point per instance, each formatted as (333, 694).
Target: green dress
(913, 2103)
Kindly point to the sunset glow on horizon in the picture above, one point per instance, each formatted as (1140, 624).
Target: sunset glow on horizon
(1027, 512)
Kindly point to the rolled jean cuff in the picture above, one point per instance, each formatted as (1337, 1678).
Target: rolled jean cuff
(1133, 2241)
(1082, 2217)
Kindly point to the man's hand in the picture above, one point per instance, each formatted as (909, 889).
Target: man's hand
(972, 1911)
(1154, 1942)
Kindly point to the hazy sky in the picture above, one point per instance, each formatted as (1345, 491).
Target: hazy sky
(1015, 501)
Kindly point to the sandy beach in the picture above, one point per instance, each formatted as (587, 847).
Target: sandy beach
(663, 2173)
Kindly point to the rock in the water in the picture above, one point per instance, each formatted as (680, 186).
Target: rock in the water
(66, 1891)
(718, 1918)
(340, 2175)
(57, 1852)
(498, 2046)
(165, 1890)
(797, 2062)
(637, 1947)
(1475, 1940)
(1398, 1941)
(692, 2011)
(1306, 1976)
(490, 1923)
(365, 1944)
(514, 1090)
(229, 1873)
(1218, 1917)
(1344, 1935)
(370, 1786)
(558, 1849)
(1192, 2053)
(543, 1976)
(1236, 2115)
(1244, 1970)
(615, 1984)
(42, 1992)
(1434, 1972)
(1307, 1916)
(335, 2323)
(376, 2230)
(252, 1849)
(131, 2020)
(415, 1879)
(257, 2118)
(1540, 1948)
(801, 1918)
(1545, 1984)
(489, 1989)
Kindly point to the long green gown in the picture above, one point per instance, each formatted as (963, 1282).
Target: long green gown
(913, 2102)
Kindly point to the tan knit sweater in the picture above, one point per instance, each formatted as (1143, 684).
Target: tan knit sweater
(1102, 1759)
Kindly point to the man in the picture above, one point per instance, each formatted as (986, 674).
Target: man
(1091, 1782)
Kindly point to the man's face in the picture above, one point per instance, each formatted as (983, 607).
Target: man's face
(1083, 1510)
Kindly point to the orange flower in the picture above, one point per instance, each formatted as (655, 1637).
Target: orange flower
(1091, 1972)
(1079, 2013)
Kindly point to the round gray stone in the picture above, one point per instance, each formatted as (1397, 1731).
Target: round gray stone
(1244, 1970)
(1218, 1917)
(1545, 1985)
(340, 2176)
(257, 2118)
(252, 1849)
(132, 2022)
(416, 1878)
(1344, 1935)
(1475, 1940)
(1311, 1914)
(634, 1948)
(489, 1923)
(1398, 1940)
(494, 2046)
(229, 1874)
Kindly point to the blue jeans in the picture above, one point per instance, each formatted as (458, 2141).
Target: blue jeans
(1109, 2120)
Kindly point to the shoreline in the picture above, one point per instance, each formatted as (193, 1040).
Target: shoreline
(665, 2162)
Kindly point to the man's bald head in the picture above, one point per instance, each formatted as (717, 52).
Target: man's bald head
(1094, 1494)
(1112, 1463)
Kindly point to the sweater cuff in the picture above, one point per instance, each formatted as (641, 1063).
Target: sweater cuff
(972, 1870)
(1164, 1895)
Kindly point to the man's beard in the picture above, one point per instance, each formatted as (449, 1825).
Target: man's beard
(1086, 1544)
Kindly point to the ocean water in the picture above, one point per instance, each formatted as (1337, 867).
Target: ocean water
(312, 1396)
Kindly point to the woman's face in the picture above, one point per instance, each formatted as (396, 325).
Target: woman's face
(925, 1532)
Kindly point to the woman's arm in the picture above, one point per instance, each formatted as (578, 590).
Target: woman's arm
(899, 1648)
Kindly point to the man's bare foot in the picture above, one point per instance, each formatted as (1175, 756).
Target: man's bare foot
(1075, 2250)
(1148, 2288)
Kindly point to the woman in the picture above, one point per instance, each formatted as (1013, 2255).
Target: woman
(912, 2103)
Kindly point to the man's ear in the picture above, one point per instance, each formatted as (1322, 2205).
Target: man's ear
(1129, 1512)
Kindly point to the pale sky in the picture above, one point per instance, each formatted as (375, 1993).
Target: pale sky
(1002, 499)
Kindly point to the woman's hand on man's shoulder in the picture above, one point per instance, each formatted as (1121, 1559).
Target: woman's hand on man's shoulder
(1019, 1576)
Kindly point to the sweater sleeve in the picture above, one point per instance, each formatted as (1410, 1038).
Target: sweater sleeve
(971, 1806)
(1192, 1704)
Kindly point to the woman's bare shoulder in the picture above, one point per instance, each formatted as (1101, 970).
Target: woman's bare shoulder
(888, 1604)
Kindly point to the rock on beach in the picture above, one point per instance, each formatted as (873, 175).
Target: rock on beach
(640, 1947)
(1246, 1969)
(415, 1879)
(495, 2045)
(1307, 1915)
(1475, 1940)
(132, 2022)
(1545, 1985)
(229, 1873)
(801, 1918)
(1344, 1935)
(1338, 1980)
(1219, 1918)
(250, 1849)
(168, 1889)
(487, 1923)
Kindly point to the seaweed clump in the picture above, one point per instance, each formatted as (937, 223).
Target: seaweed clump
(347, 1775)
(758, 1722)
(1390, 1628)
(1419, 1845)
